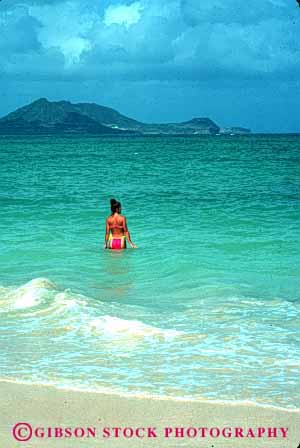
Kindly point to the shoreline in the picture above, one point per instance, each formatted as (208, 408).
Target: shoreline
(48, 406)
(111, 392)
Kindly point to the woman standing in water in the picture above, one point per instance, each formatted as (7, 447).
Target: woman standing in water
(116, 229)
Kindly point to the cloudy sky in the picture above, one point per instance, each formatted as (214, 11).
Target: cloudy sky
(235, 61)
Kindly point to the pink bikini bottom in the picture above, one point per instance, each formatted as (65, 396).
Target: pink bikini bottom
(116, 243)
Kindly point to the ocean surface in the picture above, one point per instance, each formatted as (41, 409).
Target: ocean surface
(206, 308)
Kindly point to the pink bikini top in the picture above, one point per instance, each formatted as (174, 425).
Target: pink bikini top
(116, 227)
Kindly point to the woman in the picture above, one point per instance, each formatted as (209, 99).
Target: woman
(116, 229)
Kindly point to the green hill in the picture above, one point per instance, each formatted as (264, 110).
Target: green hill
(43, 116)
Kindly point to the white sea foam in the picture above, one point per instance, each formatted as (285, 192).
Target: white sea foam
(27, 296)
(32, 293)
(40, 296)
(116, 327)
(100, 335)
(67, 300)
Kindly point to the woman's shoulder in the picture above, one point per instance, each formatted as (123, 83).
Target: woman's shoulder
(111, 218)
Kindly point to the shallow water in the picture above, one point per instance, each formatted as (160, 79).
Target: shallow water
(207, 307)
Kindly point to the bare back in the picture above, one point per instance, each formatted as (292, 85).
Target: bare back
(117, 225)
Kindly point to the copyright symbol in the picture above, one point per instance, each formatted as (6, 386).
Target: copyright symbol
(22, 432)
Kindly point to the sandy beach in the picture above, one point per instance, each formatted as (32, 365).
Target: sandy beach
(91, 416)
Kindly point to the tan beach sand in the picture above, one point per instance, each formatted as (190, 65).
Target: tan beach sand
(45, 406)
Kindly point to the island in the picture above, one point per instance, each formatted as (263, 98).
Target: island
(63, 117)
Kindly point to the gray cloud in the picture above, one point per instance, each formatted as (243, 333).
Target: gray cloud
(233, 11)
(188, 37)
(20, 32)
(119, 42)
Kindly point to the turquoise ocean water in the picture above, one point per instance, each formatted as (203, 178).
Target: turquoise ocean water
(206, 308)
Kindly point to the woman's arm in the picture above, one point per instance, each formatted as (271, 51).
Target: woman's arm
(127, 234)
(106, 235)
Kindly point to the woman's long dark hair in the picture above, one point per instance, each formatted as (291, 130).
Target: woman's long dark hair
(114, 205)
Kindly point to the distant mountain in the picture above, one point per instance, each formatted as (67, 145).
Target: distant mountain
(48, 112)
(72, 124)
(46, 117)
